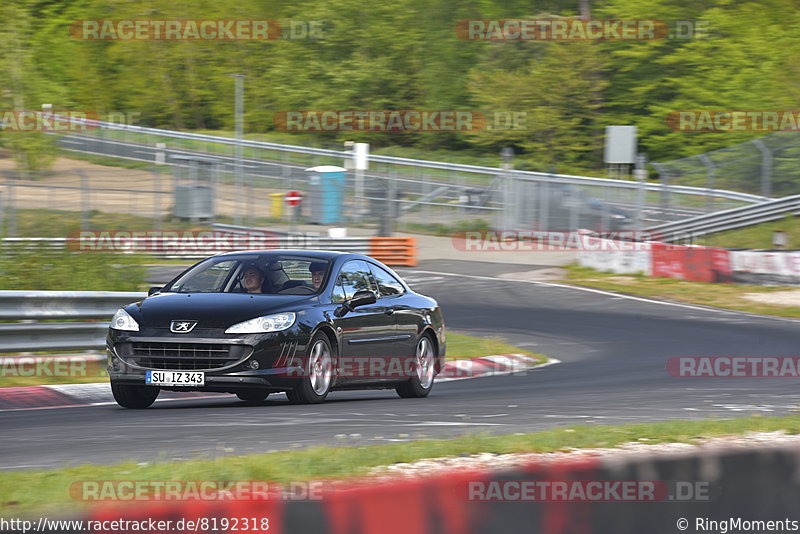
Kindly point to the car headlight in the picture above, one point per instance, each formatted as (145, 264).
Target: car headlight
(267, 323)
(123, 321)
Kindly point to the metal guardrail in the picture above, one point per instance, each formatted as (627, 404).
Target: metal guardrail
(65, 305)
(20, 305)
(24, 337)
(169, 248)
(729, 219)
(174, 248)
(454, 167)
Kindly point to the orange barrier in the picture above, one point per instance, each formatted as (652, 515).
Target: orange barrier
(394, 250)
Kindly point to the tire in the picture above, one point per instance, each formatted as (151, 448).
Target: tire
(419, 385)
(134, 397)
(253, 397)
(315, 384)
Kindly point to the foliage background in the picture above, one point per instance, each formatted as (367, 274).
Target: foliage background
(405, 54)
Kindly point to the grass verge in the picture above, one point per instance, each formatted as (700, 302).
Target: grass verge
(110, 161)
(730, 296)
(17, 373)
(758, 236)
(461, 347)
(39, 268)
(42, 222)
(41, 492)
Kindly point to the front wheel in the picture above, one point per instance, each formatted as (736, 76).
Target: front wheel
(134, 397)
(421, 383)
(317, 375)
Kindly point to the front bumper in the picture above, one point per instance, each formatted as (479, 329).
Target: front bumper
(276, 355)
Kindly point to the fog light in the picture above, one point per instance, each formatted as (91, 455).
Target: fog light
(253, 364)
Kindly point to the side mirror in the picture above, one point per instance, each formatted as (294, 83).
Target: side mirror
(361, 298)
(153, 290)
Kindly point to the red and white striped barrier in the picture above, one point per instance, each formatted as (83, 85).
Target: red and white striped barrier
(694, 262)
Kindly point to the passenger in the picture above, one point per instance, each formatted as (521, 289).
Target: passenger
(317, 273)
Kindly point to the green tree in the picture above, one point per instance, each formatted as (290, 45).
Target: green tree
(736, 64)
(559, 93)
(23, 86)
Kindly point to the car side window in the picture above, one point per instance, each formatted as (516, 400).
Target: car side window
(388, 285)
(355, 276)
(338, 291)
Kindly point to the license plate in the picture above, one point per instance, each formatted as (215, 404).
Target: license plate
(175, 378)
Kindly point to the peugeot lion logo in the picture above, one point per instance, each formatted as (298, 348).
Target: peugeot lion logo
(182, 327)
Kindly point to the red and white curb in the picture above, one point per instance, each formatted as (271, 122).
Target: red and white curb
(94, 394)
(500, 364)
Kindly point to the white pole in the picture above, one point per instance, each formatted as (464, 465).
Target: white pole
(239, 128)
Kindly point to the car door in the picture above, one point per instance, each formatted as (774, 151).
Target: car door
(367, 333)
(400, 304)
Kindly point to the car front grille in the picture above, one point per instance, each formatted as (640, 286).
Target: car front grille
(184, 356)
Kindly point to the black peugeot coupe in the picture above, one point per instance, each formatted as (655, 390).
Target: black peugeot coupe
(257, 322)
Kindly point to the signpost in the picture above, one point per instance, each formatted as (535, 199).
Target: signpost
(620, 149)
(292, 199)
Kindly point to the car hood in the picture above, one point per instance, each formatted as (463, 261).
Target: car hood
(210, 310)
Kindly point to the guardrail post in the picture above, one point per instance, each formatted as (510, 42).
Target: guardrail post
(664, 177)
(507, 178)
(239, 127)
(766, 167)
(12, 219)
(711, 172)
(85, 199)
(157, 198)
(605, 211)
(544, 201)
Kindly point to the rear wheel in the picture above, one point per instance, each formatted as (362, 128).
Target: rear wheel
(318, 373)
(134, 397)
(421, 383)
(253, 397)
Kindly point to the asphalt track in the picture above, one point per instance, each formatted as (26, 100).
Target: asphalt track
(613, 352)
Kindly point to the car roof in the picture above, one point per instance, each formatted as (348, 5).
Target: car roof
(316, 254)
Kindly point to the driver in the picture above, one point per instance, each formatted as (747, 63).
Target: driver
(252, 279)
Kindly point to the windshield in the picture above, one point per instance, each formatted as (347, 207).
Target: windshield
(270, 274)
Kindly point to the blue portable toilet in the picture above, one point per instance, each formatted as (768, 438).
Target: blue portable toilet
(326, 194)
